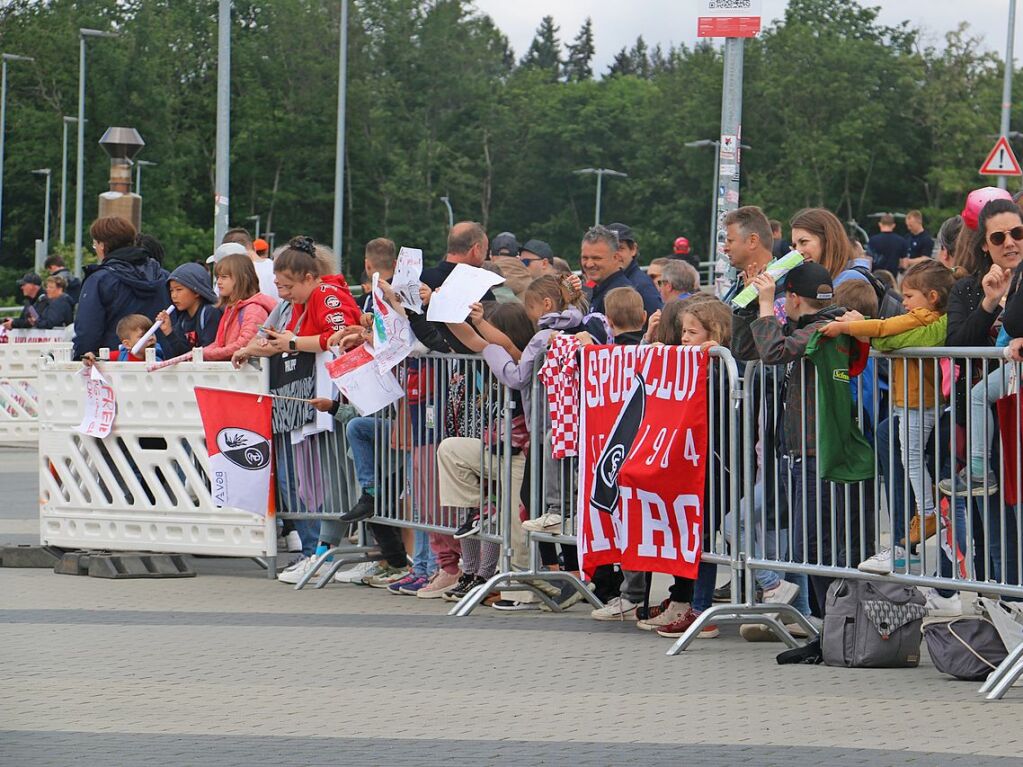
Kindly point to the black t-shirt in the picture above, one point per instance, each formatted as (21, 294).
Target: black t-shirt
(920, 244)
(886, 249)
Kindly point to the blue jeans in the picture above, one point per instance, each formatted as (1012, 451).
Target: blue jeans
(361, 434)
(287, 495)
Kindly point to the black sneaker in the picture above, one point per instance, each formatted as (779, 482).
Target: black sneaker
(465, 584)
(363, 509)
(723, 593)
(470, 526)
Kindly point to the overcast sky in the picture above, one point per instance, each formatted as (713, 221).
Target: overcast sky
(618, 23)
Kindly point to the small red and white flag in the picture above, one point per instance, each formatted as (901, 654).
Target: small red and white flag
(238, 439)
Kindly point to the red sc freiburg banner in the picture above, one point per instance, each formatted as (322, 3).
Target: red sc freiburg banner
(642, 457)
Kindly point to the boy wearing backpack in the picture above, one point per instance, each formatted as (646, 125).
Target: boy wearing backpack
(809, 306)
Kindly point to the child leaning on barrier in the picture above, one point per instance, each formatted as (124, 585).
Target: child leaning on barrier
(555, 305)
(925, 290)
(809, 306)
(245, 308)
(195, 318)
(129, 329)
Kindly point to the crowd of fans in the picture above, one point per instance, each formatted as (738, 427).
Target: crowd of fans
(960, 290)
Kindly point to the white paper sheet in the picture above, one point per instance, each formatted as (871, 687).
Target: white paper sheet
(392, 333)
(100, 405)
(357, 376)
(406, 278)
(464, 286)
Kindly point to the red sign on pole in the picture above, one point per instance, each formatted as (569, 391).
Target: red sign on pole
(728, 18)
(1001, 161)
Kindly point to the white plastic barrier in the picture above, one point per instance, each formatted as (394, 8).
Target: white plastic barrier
(144, 487)
(21, 354)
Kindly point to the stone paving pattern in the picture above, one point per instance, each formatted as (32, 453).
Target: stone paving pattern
(231, 669)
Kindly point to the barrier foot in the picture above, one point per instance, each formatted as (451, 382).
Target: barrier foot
(1007, 680)
(261, 562)
(1003, 668)
(764, 614)
(556, 576)
(348, 556)
(475, 597)
(29, 555)
(120, 565)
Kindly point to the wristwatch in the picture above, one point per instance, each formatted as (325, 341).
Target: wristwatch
(292, 346)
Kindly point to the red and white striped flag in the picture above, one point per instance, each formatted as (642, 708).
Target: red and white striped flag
(238, 439)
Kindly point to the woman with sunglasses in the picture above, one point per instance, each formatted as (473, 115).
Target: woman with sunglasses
(974, 314)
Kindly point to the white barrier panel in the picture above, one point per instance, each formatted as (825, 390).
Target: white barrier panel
(145, 486)
(21, 354)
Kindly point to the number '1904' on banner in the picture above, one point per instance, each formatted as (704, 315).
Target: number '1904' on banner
(642, 457)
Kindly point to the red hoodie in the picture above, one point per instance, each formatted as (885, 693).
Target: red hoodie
(239, 325)
(330, 308)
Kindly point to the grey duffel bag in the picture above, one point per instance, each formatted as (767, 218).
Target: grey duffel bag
(967, 648)
(872, 624)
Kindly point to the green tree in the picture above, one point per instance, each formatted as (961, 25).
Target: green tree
(545, 51)
(579, 57)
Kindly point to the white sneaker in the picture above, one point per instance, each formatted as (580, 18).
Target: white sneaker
(297, 571)
(617, 609)
(293, 542)
(882, 563)
(784, 593)
(943, 607)
(356, 574)
(546, 523)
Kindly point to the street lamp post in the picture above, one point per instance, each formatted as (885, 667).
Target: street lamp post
(451, 213)
(600, 173)
(138, 174)
(46, 212)
(4, 58)
(256, 219)
(63, 180)
(221, 208)
(269, 237)
(339, 159)
(83, 35)
(1007, 80)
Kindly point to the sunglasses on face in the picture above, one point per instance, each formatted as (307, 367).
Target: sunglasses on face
(998, 238)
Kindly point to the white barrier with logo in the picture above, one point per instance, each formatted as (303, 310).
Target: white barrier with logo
(21, 354)
(144, 487)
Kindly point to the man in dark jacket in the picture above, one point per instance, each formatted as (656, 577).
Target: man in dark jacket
(628, 255)
(127, 281)
(35, 301)
(601, 265)
(887, 248)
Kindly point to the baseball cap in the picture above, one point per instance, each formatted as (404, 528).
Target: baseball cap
(260, 244)
(225, 250)
(977, 199)
(31, 278)
(624, 232)
(681, 246)
(538, 248)
(504, 241)
(809, 280)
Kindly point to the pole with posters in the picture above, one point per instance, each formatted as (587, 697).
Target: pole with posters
(734, 20)
(1007, 80)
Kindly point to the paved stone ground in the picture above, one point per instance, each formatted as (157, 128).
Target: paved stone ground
(231, 669)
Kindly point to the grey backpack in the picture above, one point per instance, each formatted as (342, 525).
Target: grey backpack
(872, 624)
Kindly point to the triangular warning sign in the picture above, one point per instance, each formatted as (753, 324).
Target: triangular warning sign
(1001, 161)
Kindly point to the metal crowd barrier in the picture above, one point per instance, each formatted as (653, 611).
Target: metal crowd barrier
(21, 356)
(838, 526)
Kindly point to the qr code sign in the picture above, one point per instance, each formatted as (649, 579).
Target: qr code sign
(729, 5)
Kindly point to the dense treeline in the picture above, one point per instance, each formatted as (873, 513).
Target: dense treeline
(839, 110)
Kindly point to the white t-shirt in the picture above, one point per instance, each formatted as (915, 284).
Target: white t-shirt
(265, 273)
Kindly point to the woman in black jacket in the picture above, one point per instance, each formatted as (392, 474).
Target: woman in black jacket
(974, 307)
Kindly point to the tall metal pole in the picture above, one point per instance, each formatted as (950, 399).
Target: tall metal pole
(339, 159)
(731, 122)
(63, 182)
(80, 157)
(1007, 80)
(4, 58)
(600, 179)
(714, 209)
(46, 211)
(221, 210)
(256, 219)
